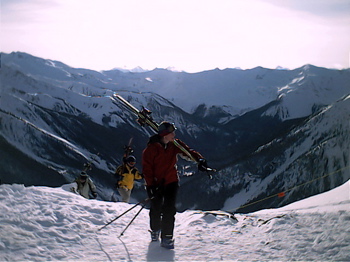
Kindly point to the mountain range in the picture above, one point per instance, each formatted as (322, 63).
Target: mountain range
(274, 135)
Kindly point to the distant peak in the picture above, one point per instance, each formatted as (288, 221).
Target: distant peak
(281, 68)
(137, 69)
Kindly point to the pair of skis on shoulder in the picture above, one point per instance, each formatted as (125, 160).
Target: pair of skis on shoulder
(145, 118)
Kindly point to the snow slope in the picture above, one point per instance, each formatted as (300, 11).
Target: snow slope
(41, 223)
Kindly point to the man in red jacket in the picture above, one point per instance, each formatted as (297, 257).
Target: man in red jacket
(160, 173)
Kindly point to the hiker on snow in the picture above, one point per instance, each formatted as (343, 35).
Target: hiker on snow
(84, 186)
(159, 169)
(126, 174)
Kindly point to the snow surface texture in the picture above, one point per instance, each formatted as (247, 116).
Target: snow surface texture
(41, 223)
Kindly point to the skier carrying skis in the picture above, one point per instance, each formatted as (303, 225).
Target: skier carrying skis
(126, 174)
(84, 186)
(159, 170)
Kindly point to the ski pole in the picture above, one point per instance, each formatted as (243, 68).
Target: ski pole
(132, 220)
(110, 222)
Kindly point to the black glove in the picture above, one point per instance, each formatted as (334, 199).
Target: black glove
(152, 191)
(94, 195)
(202, 165)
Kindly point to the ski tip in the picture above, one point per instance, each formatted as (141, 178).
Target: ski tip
(116, 95)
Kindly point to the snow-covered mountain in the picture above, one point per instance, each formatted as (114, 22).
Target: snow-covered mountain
(266, 131)
(51, 224)
(234, 91)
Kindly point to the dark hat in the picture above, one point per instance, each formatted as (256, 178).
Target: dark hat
(130, 159)
(83, 175)
(166, 128)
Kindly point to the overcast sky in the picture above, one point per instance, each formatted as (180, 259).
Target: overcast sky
(189, 35)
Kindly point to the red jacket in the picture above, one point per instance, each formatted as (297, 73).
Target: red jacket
(159, 161)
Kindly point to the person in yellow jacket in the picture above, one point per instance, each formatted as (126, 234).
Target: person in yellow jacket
(126, 174)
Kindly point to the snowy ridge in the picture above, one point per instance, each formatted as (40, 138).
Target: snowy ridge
(322, 142)
(41, 223)
(236, 91)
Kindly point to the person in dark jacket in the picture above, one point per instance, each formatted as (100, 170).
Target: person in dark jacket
(160, 174)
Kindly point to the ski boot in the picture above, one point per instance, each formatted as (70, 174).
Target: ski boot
(155, 235)
(167, 243)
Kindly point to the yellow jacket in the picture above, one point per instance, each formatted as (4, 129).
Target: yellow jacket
(128, 175)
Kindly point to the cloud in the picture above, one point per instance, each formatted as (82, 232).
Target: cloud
(24, 11)
(335, 9)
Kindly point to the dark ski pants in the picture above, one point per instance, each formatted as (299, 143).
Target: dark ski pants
(162, 212)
